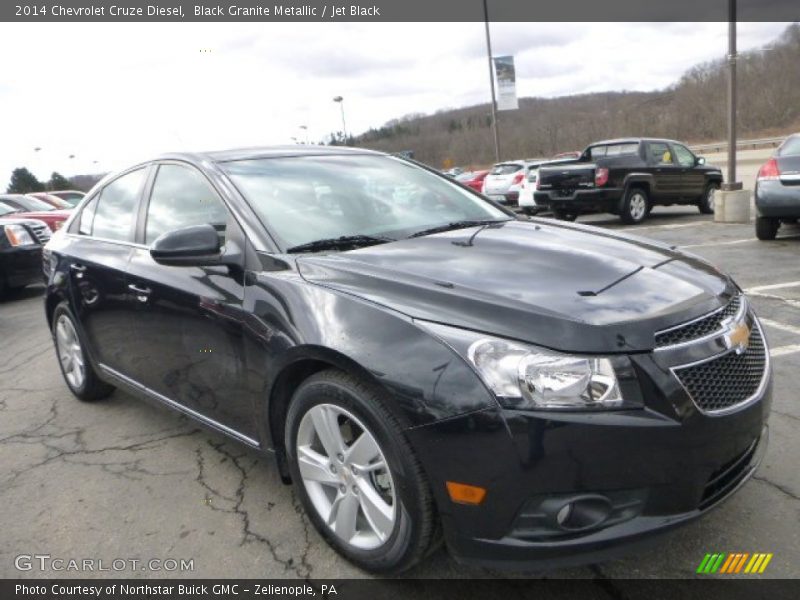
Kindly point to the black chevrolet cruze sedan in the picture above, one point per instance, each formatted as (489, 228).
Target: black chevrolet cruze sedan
(423, 366)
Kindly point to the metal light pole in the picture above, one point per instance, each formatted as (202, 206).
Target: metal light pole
(340, 101)
(731, 184)
(491, 83)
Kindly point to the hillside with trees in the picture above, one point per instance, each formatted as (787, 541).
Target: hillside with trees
(693, 110)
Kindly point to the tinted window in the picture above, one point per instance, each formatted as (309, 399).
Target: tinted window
(182, 197)
(7, 208)
(116, 207)
(87, 217)
(683, 155)
(505, 169)
(614, 150)
(659, 153)
(790, 146)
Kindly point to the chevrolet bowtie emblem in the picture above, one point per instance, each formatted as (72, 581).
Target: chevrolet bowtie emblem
(737, 337)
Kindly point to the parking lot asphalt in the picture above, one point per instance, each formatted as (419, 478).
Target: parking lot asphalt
(125, 479)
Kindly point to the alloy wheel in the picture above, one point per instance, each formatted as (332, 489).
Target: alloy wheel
(346, 476)
(638, 206)
(69, 351)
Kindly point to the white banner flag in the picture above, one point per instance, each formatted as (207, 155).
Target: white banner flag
(506, 83)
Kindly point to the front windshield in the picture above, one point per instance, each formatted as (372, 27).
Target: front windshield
(309, 198)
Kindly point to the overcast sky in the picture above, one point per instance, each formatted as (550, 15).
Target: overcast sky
(116, 93)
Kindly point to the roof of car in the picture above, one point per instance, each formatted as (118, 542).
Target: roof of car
(632, 140)
(267, 152)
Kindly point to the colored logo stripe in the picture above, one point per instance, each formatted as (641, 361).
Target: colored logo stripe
(734, 563)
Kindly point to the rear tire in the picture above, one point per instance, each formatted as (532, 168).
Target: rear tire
(332, 480)
(78, 372)
(635, 206)
(706, 203)
(767, 228)
(563, 215)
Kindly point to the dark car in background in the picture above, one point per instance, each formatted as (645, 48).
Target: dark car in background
(627, 177)
(419, 362)
(21, 241)
(35, 208)
(778, 189)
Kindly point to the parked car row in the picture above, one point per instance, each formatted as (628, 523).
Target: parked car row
(26, 223)
(21, 242)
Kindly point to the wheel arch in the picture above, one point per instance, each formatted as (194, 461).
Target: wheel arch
(304, 362)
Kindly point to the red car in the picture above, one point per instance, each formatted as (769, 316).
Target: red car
(33, 208)
(52, 200)
(473, 179)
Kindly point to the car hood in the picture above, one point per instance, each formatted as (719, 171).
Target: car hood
(563, 286)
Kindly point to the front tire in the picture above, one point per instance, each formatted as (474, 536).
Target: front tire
(356, 474)
(79, 375)
(706, 202)
(635, 206)
(767, 228)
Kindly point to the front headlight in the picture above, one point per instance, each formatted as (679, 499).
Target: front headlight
(17, 235)
(531, 378)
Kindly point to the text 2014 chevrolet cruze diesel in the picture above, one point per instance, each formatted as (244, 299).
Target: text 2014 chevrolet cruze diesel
(422, 365)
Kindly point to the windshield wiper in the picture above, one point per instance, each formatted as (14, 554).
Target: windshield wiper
(341, 243)
(457, 225)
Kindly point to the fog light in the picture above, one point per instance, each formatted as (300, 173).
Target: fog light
(582, 513)
(563, 514)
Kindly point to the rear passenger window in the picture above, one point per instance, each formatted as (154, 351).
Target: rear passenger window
(116, 207)
(182, 197)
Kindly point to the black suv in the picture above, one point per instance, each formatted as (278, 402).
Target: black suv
(627, 177)
(420, 363)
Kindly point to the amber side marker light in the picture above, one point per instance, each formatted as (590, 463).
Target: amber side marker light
(465, 494)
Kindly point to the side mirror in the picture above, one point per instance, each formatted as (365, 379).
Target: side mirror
(701, 160)
(194, 246)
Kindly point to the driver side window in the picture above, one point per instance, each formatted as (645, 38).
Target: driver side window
(182, 197)
(683, 155)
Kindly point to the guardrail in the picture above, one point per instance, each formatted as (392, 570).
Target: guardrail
(772, 142)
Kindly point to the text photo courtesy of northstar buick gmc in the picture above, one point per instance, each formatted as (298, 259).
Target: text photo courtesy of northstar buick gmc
(413, 383)
(627, 177)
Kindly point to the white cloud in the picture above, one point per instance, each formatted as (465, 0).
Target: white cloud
(116, 93)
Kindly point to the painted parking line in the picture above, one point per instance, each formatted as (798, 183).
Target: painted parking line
(781, 326)
(784, 350)
(734, 242)
(774, 286)
(670, 226)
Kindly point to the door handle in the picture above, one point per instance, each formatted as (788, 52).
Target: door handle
(79, 269)
(142, 294)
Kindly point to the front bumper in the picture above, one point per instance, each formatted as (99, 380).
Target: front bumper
(659, 468)
(21, 265)
(581, 200)
(775, 199)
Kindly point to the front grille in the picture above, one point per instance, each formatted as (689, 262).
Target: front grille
(728, 476)
(42, 233)
(722, 383)
(700, 328)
